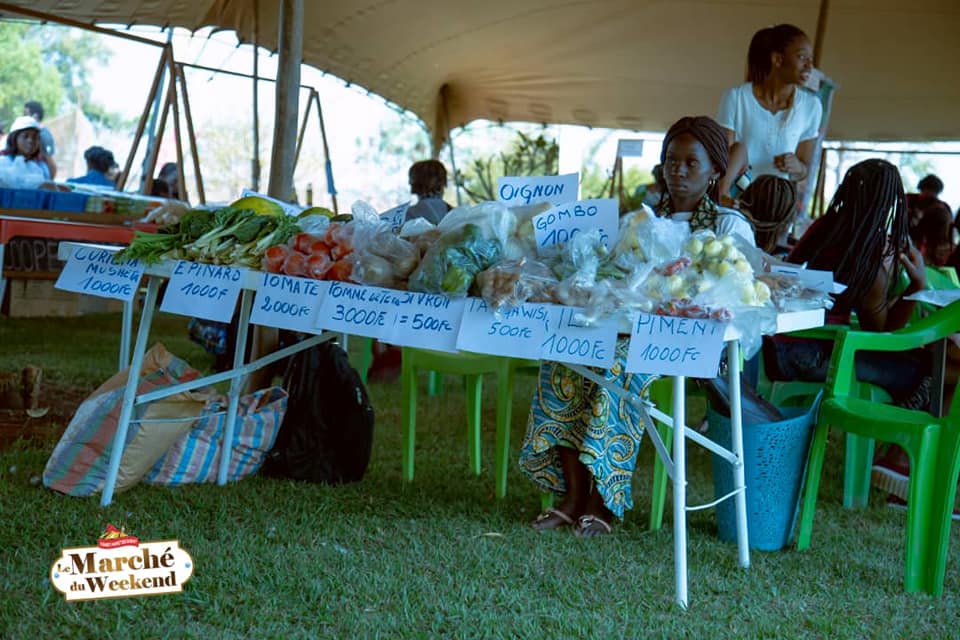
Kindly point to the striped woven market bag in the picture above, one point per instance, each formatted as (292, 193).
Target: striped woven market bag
(79, 462)
(196, 456)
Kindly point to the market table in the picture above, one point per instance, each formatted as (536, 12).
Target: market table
(677, 466)
(157, 274)
(340, 307)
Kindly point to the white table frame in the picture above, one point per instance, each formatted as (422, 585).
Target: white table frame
(677, 465)
(237, 374)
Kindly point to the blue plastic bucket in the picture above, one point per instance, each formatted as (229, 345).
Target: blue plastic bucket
(775, 460)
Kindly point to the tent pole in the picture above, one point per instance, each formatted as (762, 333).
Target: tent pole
(255, 163)
(151, 96)
(151, 160)
(287, 109)
(327, 163)
(444, 90)
(177, 137)
(191, 136)
(290, 52)
(87, 26)
(152, 125)
(303, 130)
(821, 29)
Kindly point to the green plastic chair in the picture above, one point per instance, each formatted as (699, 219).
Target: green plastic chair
(859, 450)
(932, 444)
(471, 366)
(434, 380)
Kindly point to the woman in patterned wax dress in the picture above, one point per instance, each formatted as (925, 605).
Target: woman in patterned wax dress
(581, 440)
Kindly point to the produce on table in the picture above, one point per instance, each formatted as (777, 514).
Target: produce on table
(308, 255)
(384, 259)
(225, 236)
(229, 235)
(451, 265)
(510, 283)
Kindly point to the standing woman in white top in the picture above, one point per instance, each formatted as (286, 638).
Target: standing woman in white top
(770, 120)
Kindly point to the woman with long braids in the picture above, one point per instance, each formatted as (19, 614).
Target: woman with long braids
(581, 440)
(863, 238)
(770, 121)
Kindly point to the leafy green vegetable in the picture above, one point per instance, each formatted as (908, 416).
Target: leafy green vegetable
(148, 247)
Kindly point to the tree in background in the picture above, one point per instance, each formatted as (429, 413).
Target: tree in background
(527, 156)
(24, 73)
(51, 64)
(385, 159)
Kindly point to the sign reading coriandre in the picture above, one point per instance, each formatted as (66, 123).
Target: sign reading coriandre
(121, 566)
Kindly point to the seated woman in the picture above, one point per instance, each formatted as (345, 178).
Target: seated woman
(582, 441)
(100, 162)
(934, 233)
(24, 154)
(863, 238)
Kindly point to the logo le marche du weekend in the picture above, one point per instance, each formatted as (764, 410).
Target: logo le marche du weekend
(121, 566)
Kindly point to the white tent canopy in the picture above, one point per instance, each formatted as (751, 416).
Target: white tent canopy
(637, 64)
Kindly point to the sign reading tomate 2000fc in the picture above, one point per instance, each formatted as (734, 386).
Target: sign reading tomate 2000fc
(130, 570)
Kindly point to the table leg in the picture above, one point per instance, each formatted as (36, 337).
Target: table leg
(680, 489)
(130, 391)
(736, 447)
(236, 386)
(126, 328)
(3, 281)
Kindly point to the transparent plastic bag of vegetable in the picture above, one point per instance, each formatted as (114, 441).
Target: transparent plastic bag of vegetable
(384, 259)
(509, 284)
(644, 237)
(493, 220)
(451, 264)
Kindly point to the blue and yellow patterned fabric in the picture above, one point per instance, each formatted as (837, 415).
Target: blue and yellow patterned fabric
(570, 411)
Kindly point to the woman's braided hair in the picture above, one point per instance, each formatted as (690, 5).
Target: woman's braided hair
(852, 238)
(769, 202)
(713, 138)
(765, 42)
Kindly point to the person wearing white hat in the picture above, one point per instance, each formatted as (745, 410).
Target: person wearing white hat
(25, 152)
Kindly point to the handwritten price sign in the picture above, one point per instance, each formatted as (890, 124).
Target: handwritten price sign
(675, 346)
(427, 321)
(570, 340)
(206, 291)
(91, 270)
(521, 190)
(561, 223)
(518, 333)
(288, 303)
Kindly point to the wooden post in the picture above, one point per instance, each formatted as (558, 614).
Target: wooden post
(290, 55)
(191, 136)
(331, 187)
(821, 29)
(303, 130)
(178, 139)
(151, 96)
(255, 161)
(161, 127)
(290, 52)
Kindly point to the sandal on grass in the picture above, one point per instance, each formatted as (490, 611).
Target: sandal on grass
(551, 519)
(589, 526)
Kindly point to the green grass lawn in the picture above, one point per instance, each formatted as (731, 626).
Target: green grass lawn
(440, 557)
